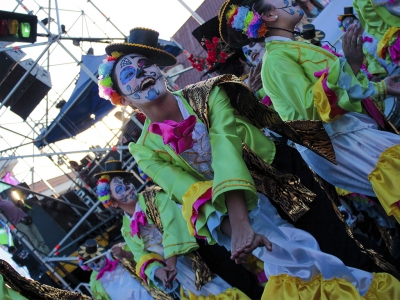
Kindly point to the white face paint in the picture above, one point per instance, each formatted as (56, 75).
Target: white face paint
(254, 53)
(139, 79)
(347, 21)
(122, 190)
(97, 264)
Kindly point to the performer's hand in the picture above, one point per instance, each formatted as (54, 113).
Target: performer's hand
(118, 252)
(162, 274)
(352, 47)
(171, 264)
(393, 85)
(254, 82)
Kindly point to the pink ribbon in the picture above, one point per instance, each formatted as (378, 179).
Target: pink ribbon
(330, 94)
(367, 39)
(144, 266)
(140, 218)
(267, 100)
(394, 50)
(207, 196)
(109, 267)
(177, 135)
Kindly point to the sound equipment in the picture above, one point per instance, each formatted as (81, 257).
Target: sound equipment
(30, 92)
(8, 60)
(50, 230)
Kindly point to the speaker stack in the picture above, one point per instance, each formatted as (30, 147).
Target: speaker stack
(30, 92)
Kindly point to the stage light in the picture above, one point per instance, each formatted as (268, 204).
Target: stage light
(16, 195)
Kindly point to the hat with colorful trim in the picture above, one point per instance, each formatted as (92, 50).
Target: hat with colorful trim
(90, 250)
(143, 41)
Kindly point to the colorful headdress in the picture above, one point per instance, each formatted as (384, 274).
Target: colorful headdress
(105, 83)
(103, 190)
(247, 20)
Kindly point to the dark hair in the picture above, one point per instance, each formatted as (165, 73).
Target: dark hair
(73, 163)
(304, 7)
(237, 39)
(233, 64)
(114, 79)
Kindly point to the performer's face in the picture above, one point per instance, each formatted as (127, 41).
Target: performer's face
(139, 80)
(97, 264)
(254, 53)
(122, 190)
(347, 21)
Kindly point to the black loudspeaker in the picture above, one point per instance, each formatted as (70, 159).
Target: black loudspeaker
(51, 232)
(8, 60)
(30, 92)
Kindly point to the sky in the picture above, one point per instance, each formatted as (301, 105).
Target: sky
(81, 18)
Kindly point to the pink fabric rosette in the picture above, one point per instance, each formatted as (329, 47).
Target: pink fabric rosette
(177, 135)
(140, 218)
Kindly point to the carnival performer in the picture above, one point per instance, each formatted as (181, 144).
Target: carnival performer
(109, 279)
(381, 19)
(203, 169)
(306, 82)
(157, 236)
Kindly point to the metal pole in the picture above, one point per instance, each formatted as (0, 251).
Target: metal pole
(35, 193)
(24, 77)
(87, 233)
(68, 152)
(193, 13)
(58, 246)
(108, 19)
(38, 256)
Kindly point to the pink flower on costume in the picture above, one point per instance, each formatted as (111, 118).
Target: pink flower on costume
(140, 218)
(177, 135)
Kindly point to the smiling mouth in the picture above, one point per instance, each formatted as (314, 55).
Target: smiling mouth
(254, 56)
(147, 83)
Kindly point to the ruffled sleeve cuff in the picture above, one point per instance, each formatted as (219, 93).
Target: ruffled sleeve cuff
(147, 263)
(196, 197)
(357, 87)
(389, 45)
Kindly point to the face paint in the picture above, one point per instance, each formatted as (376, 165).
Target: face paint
(349, 21)
(290, 8)
(152, 94)
(122, 190)
(126, 75)
(139, 79)
(97, 264)
(254, 53)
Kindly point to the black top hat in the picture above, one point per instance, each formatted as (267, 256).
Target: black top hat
(310, 33)
(90, 249)
(347, 12)
(113, 168)
(143, 41)
(207, 30)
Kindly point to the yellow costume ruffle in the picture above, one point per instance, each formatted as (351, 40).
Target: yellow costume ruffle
(229, 294)
(385, 180)
(384, 286)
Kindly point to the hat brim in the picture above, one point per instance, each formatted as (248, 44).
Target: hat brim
(157, 56)
(319, 36)
(86, 256)
(121, 173)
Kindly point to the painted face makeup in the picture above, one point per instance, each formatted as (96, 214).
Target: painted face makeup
(254, 53)
(139, 79)
(122, 190)
(291, 8)
(97, 264)
(349, 21)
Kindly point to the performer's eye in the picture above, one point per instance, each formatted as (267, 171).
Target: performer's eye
(119, 189)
